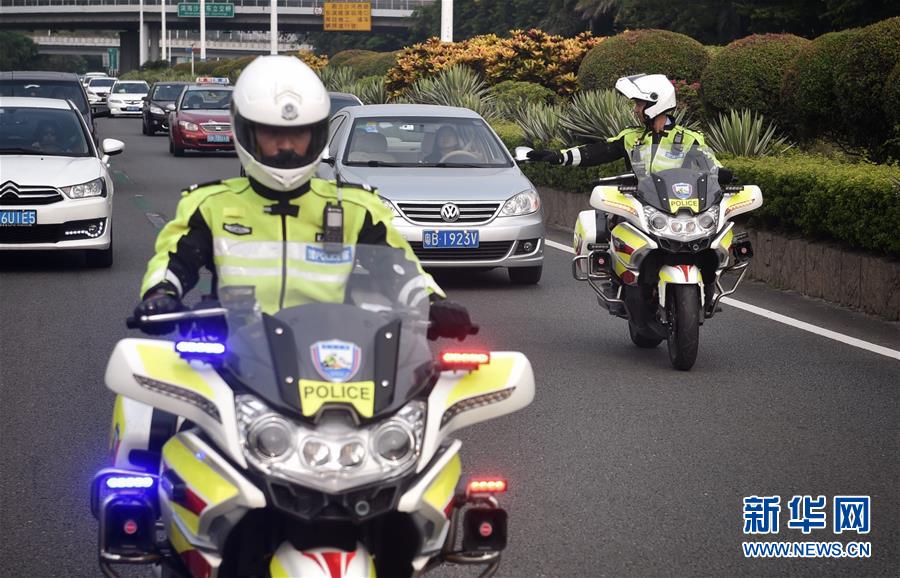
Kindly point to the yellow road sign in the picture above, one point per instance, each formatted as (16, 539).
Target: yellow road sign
(348, 16)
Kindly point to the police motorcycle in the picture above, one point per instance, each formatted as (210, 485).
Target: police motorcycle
(671, 225)
(312, 442)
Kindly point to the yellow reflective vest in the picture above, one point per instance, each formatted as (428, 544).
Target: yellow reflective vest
(226, 227)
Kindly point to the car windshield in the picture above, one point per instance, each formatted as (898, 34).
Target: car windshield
(672, 177)
(102, 82)
(424, 142)
(167, 91)
(41, 131)
(207, 99)
(340, 102)
(364, 319)
(130, 88)
(61, 89)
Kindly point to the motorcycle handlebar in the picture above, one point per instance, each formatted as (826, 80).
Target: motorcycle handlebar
(616, 179)
(143, 320)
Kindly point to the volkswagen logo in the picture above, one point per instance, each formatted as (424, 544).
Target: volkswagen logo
(450, 213)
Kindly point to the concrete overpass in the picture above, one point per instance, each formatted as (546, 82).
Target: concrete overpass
(123, 16)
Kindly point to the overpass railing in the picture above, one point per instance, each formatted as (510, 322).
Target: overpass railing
(376, 4)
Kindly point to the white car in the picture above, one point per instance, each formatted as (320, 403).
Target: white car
(127, 97)
(98, 89)
(56, 190)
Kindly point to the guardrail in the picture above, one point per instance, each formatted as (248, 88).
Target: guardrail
(104, 41)
(376, 4)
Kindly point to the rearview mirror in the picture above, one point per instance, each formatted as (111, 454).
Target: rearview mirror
(170, 107)
(326, 157)
(112, 146)
(521, 154)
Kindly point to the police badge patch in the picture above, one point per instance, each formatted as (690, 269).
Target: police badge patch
(682, 190)
(336, 361)
(237, 229)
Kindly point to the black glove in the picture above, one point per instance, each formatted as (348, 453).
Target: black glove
(726, 176)
(449, 319)
(155, 304)
(552, 157)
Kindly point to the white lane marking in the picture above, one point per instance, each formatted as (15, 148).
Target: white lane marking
(874, 348)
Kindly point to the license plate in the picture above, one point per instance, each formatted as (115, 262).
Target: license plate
(449, 239)
(218, 138)
(133, 108)
(19, 218)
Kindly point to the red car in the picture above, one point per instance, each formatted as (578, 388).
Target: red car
(201, 120)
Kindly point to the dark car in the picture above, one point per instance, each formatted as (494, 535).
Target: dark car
(155, 111)
(341, 100)
(59, 85)
(201, 119)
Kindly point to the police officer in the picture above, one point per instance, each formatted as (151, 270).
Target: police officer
(654, 99)
(242, 229)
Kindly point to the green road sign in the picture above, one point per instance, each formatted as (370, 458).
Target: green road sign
(213, 10)
(113, 54)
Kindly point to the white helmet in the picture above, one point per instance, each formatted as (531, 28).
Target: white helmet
(279, 92)
(655, 89)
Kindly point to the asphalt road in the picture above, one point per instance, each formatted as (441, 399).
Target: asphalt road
(621, 466)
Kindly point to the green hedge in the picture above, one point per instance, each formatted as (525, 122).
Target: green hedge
(341, 58)
(677, 56)
(857, 204)
(748, 73)
(809, 96)
(510, 133)
(365, 62)
(861, 71)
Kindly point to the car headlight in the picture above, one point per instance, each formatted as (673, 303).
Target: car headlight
(95, 188)
(188, 126)
(390, 206)
(682, 228)
(524, 203)
(333, 455)
(156, 110)
(115, 100)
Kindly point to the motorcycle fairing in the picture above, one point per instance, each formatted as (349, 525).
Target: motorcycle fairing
(288, 562)
(722, 243)
(744, 201)
(629, 246)
(151, 372)
(612, 201)
(679, 275)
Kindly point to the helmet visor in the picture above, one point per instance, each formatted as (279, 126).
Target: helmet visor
(281, 147)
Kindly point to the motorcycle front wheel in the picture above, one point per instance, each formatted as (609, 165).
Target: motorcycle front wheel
(683, 312)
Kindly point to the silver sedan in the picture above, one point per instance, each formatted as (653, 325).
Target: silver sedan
(456, 193)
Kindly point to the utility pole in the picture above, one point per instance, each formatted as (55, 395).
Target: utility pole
(164, 54)
(202, 32)
(273, 28)
(142, 42)
(446, 20)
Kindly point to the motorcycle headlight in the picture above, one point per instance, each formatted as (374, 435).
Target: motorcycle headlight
(188, 126)
(95, 188)
(333, 455)
(156, 110)
(682, 228)
(524, 203)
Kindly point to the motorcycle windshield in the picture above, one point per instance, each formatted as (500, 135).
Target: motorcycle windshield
(672, 177)
(352, 332)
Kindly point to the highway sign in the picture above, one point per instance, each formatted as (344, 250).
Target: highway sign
(113, 56)
(213, 10)
(356, 16)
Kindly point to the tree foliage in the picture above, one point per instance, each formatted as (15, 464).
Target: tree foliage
(17, 51)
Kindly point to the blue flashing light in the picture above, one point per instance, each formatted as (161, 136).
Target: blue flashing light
(200, 347)
(122, 482)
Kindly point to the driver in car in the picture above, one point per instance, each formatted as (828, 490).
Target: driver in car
(446, 141)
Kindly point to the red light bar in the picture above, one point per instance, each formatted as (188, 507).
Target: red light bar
(487, 486)
(465, 358)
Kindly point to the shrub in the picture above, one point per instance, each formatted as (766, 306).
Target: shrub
(341, 58)
(532, 56)
(677, 56)
(858, 204)
(748, 73)
(311, 59)
(690, 103)
(891, 100)
(808, 92)
(862, 69)
(742, 134)
(454, 86)
(571, 179)
(372, 63)
(233, 68)
(512, 95)
(370, 90)
(202, 68)
(510, 133)
(540, 124)
(338, 79)
(596, 114)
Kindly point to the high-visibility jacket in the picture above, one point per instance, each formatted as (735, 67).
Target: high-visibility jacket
(235, 233)
(619, 146)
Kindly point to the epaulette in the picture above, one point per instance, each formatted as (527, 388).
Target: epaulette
(193, 188)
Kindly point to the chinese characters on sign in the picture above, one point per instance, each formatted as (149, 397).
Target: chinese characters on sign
(849, 514)
(213, 10)
(348, 16)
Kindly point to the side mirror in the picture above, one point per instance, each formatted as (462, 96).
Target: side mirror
(111, 146)
(143, 99)
(170, 107)
(327, 158)
(521, 154)
(101, 113)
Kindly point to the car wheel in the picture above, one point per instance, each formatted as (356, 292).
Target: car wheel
(145, 129)
(100, 258)
(525, 275)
